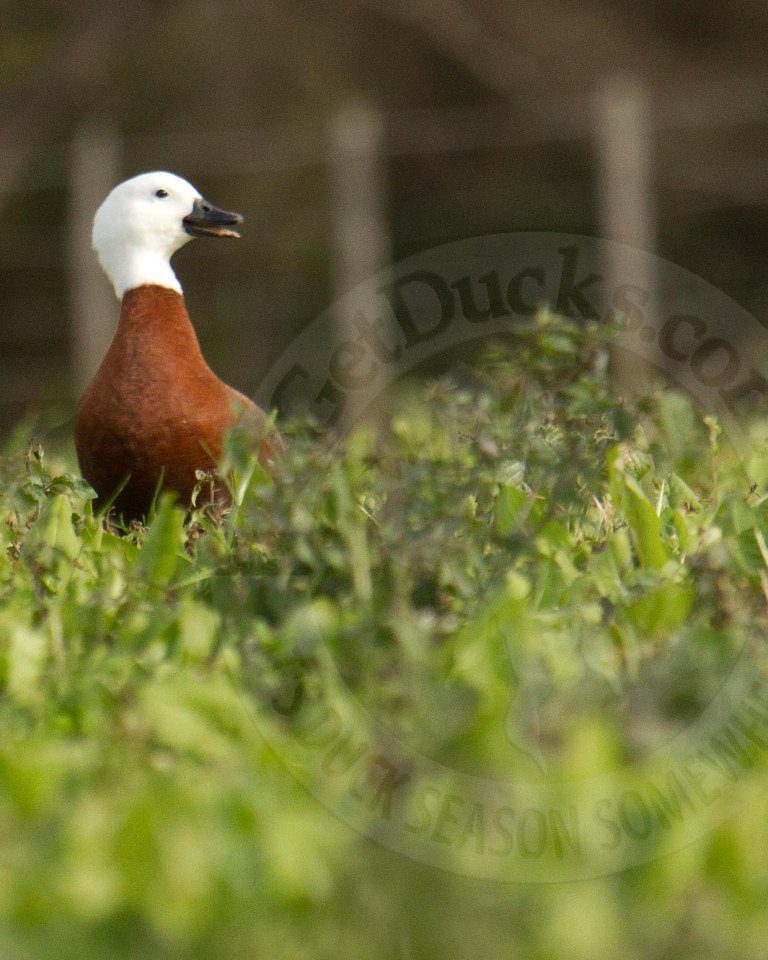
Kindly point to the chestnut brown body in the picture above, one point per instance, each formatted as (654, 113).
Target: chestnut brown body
(155, 409)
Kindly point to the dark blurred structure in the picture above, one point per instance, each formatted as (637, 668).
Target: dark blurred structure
(438, 119)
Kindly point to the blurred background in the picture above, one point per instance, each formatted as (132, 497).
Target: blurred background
(351, 132)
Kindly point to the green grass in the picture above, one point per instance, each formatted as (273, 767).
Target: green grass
(526, 581)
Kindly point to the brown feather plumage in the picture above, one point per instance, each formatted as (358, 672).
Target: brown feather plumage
(155, 408)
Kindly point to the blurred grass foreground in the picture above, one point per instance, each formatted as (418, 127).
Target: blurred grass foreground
(525, 581)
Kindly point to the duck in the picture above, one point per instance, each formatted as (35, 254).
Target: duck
(155, 414)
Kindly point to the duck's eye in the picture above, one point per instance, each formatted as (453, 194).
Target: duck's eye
(162, 194)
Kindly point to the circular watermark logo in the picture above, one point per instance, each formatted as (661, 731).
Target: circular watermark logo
(526, 822)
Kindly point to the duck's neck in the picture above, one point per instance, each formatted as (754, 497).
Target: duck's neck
(135, 267)
(156, 318)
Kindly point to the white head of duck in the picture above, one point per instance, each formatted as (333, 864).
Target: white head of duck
(145, 220)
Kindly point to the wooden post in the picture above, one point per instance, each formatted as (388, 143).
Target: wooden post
(627, 215)
(95, 163)
(361, 236)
